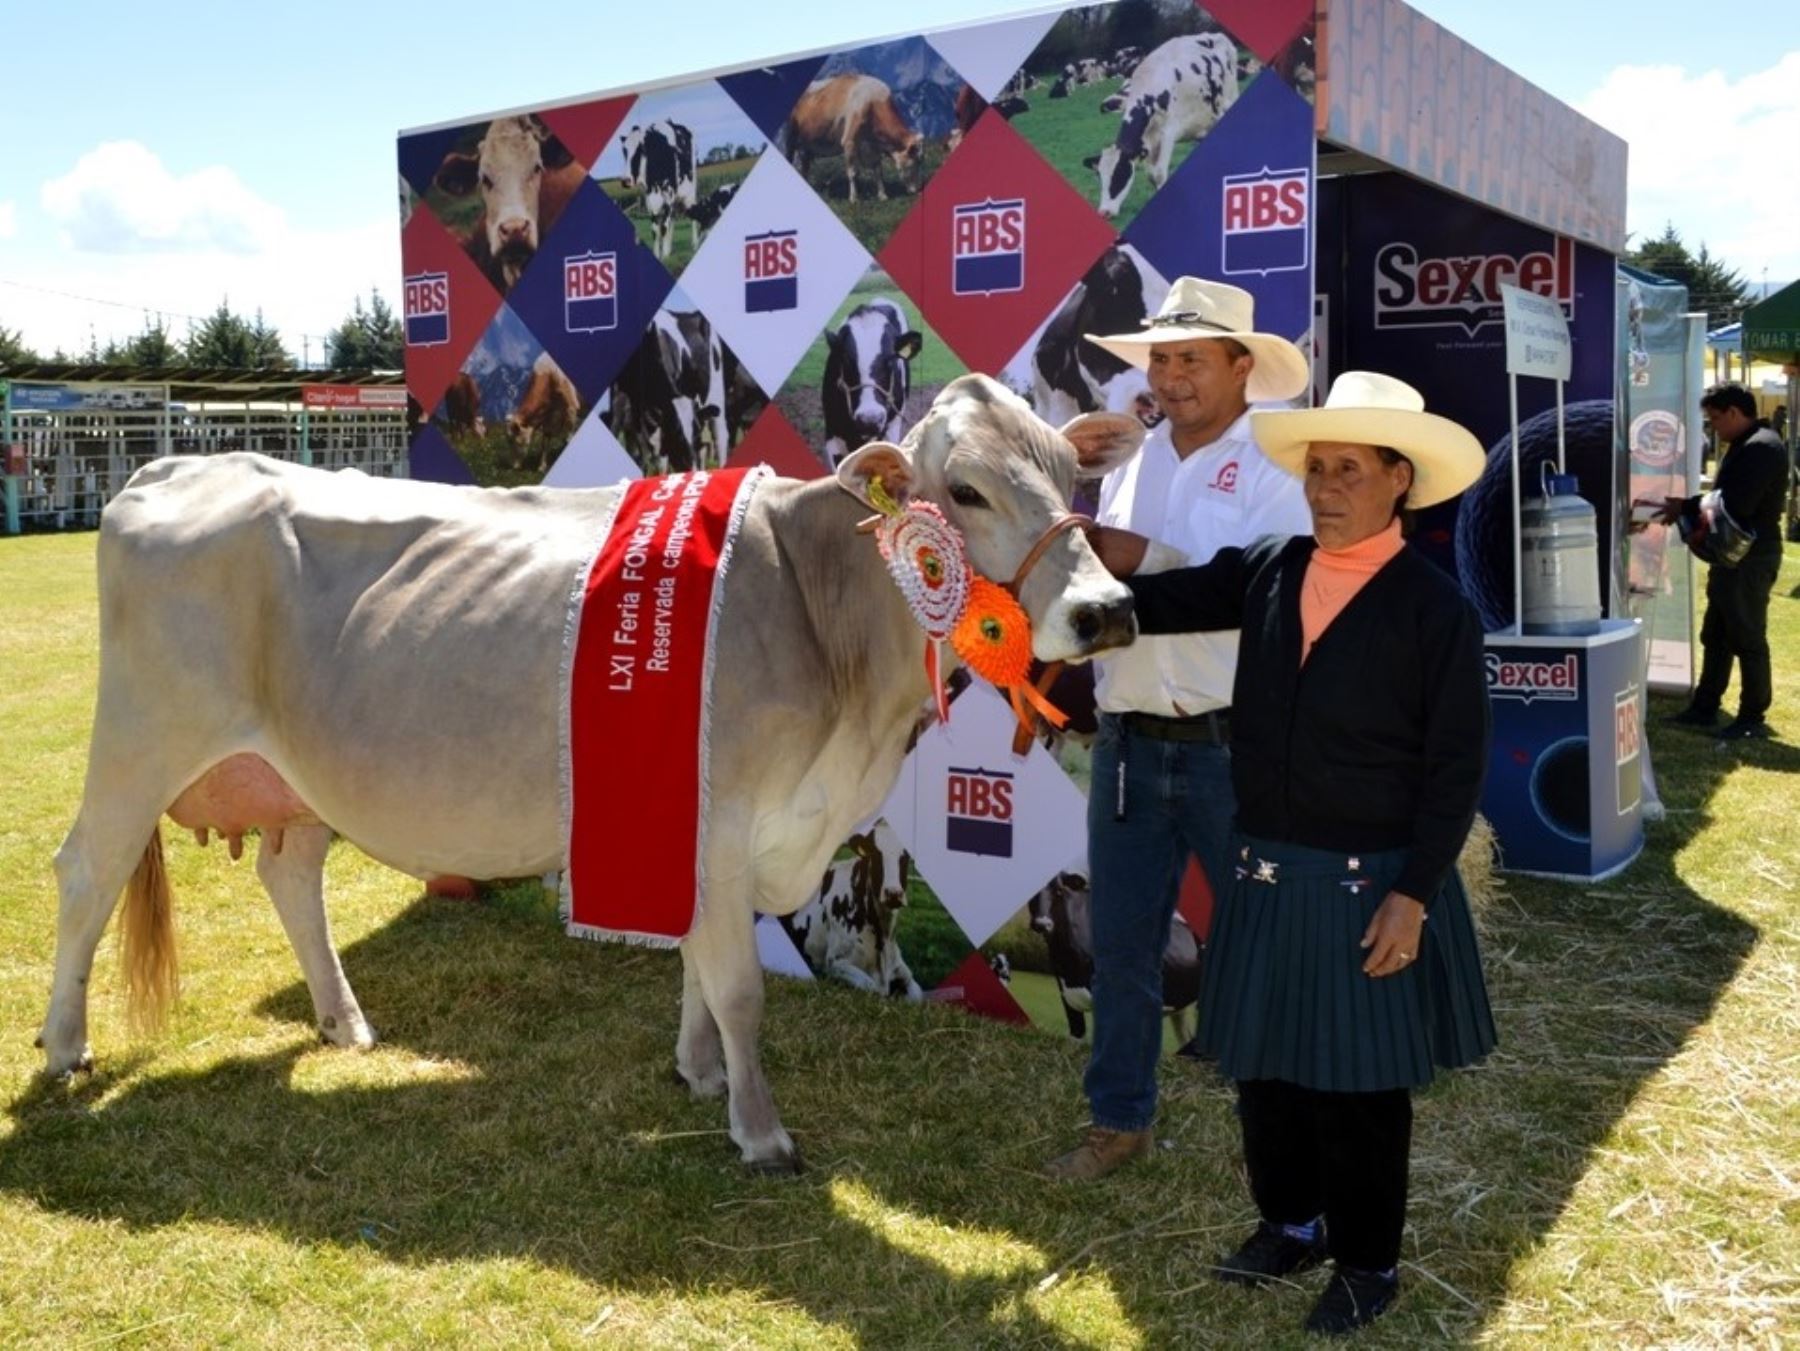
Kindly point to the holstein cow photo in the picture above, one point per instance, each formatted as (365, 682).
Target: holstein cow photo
(522, 178)
(846, 932)
(659, 166)
(855, 117)
(1069, 375)
(868, 376)
(257, 618)
(670, 405)
(1176, 94)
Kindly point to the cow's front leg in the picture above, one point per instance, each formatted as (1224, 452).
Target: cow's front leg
(850, 168)
(699, 1054)
(723, 949)
(291, 864)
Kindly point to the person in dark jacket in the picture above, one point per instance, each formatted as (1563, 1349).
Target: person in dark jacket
(1342, 967)
(1752, 487)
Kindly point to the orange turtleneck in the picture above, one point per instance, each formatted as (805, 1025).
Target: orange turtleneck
(1333, 576)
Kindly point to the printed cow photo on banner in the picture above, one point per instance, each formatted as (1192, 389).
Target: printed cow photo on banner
(500, 190)
(873, 127)
(674, 165)
(1124, 94)
(683, 399)
(511, 409)
(847, 931)
(870, 375)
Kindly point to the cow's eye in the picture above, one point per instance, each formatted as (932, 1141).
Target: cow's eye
(965, 496)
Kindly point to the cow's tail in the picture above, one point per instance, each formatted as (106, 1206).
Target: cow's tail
(152, 980)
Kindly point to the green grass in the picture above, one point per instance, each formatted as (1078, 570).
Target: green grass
(511, 1166)
(871, 219)
(707, 179)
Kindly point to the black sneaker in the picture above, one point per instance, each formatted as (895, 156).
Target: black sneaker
(1353, 1299)
(1270, 1254)
(1744, 729)
(1694, 716)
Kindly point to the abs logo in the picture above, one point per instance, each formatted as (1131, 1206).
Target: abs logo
(772, 272)
(1627, 742)
(1464, 292)
(590, 292)
(987, 247)
(1558, 679)
(426, 301)
(1264, 224)
(978, 812)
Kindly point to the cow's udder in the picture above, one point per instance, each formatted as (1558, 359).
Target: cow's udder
(240, 793)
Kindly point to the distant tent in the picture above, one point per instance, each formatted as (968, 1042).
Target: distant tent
(1772, 327)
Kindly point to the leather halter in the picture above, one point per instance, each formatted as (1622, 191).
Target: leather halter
(1069, 520)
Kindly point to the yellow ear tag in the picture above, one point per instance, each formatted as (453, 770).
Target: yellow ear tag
(879, 499)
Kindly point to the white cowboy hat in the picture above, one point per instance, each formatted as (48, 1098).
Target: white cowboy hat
(1212, 309)
(1367, 409)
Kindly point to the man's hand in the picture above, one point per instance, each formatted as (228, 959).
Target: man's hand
(1120, 551)
(1671, 510)
(1393, 936)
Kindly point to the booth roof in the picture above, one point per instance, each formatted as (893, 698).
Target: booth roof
(197, 383)
(1772, 327)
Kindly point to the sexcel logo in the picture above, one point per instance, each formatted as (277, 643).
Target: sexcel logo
(1452, 292)
(772, 271)
(426, 301)
(1264, 224)
(987, 247)
(978, 811)
(1528, 680)
(590, 292)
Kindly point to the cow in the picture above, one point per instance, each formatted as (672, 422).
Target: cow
(257, 617)
(547, 414)
(1176, 94)
(659, 165)
(855, 116)
(1060, 89)
(462, 407)
(1062, 911)
(526, 177)
(868, 376)
(1123, 61)
(1071, 375)
(969, 108)
(670, 403)
(705, 213)
(1011, 106)
(846, 932)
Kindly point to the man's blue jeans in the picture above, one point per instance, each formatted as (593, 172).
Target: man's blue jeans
(1176, 800)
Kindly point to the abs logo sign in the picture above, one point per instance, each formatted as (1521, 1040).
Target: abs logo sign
(1265, 220)
(978, 812)
(987, 247)
(1464, 292)
(1556, 679)
(772, 272)
(1628, 740)
(590, 292)
(426, 300)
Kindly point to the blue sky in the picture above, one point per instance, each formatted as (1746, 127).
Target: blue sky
(161, 156)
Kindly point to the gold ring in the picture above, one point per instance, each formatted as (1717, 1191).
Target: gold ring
(1406, 956)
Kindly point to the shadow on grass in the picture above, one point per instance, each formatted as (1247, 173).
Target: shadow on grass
(521, 1108)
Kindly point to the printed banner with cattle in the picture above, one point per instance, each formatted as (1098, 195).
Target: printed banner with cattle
(782, 263)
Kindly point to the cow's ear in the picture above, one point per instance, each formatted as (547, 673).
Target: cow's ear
(1103, 441)
(555, 154)
(909, 344)
(877, 463)
(456, 175)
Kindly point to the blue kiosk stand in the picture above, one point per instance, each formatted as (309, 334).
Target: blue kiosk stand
(1565, 787)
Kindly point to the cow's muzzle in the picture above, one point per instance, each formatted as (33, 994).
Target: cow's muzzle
(1101, 624)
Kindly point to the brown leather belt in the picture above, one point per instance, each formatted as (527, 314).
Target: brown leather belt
(1214, 727)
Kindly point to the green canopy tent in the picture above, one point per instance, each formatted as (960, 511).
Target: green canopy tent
(1772, 332)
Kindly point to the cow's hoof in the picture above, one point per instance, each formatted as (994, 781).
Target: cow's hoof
(81, 1064)
(705, 1087)
(790, 1166)
(358, 1036)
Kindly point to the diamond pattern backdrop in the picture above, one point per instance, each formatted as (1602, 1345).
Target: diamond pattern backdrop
(997, 190)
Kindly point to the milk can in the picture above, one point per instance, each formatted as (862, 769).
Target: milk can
(1559, 559)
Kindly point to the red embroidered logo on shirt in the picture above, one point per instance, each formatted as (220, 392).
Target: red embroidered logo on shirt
(1225, 481)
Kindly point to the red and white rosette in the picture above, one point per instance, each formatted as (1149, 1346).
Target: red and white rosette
(924, 556)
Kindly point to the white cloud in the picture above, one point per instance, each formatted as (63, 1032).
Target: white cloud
(9, 220)
(1714, 156)
(120, 198)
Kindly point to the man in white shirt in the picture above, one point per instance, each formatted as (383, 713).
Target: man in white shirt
(1161, 785)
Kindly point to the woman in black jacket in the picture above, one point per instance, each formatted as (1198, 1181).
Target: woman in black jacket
(1342, 966)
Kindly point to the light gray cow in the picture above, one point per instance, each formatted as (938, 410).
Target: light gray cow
(275, 642)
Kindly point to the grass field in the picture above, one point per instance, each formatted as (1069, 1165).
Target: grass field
(512, 1167)
(708, 178)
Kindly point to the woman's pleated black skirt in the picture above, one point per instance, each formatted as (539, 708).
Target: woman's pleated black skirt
(1285, 996)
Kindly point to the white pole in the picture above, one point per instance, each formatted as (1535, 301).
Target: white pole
(1562, 456)
(1518, 539)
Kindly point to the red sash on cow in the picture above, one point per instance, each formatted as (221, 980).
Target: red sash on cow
(638, 667)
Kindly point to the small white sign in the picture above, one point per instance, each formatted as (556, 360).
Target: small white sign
(1537, 334)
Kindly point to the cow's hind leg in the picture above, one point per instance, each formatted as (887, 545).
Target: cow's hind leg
(723, 948)
(699, 1054)
(291, 864)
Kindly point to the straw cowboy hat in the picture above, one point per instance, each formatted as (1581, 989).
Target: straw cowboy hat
(1367, 409)
(1211, 309)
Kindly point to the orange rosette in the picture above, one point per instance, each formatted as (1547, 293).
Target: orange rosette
(993, 638)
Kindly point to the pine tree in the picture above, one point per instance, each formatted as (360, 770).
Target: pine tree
(13, 350)
(228, 340)
(367, 339)
(1713, 286)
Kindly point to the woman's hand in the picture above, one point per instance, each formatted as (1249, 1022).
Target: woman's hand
(1392, 938)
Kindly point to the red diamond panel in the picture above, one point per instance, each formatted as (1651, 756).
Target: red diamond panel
(585, 128)
(427, 248)
(1264, 26)
(1062, 235)
(773, 441)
